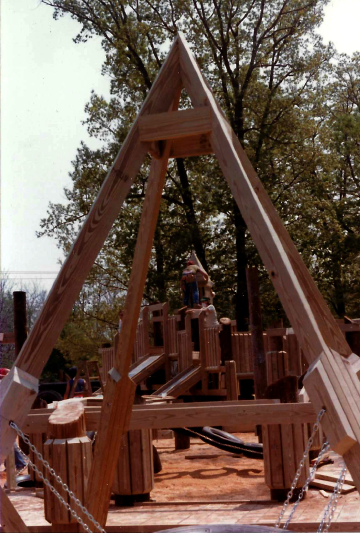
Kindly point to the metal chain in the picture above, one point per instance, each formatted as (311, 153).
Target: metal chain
(324, 449)
(60, 481)
(331, 507)
(299, 470)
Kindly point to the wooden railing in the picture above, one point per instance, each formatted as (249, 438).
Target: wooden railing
(185, 346)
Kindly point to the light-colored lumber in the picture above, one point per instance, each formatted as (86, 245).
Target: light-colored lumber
(330, 485)
(196, 145)
(17, 394)
(315, 328)
(336, 425)
(10, 520)
(302, 301)
(119, 393)
(333, 476)
(194, 415)
(175, 124)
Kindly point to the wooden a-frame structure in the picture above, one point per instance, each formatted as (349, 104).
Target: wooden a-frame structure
(332, 381)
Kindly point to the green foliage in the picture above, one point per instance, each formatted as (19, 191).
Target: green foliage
(295, 108)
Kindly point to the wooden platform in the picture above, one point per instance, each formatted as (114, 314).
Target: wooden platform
(204, 485)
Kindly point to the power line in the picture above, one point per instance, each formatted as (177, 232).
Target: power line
(29, 271)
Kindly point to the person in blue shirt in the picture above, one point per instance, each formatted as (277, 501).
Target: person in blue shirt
(81, 384)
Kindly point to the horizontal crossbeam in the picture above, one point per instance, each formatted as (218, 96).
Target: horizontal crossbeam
(176, 416)
(175, 124)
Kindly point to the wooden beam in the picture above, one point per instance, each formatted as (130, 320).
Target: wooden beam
(193, 146)
(164, 416)
(17, 394)
(175, 124)
(10, 520)
(313, 323)
(120, 389)
(112, 194)
(7, 338)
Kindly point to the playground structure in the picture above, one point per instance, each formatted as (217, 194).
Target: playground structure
(332, 380)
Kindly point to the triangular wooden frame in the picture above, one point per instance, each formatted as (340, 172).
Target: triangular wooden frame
(332, 381)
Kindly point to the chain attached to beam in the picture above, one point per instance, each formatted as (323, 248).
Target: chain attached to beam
(60, 481)
(330, 508)
(324, 448)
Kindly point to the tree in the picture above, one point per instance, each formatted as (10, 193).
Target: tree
(269, 70)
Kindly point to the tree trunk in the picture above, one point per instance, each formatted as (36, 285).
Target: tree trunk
(190, 213)
(241, 297)
(159, 254)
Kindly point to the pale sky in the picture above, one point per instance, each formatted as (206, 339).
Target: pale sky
(46, 81)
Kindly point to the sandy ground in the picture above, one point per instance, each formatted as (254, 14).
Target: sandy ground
(211, 475)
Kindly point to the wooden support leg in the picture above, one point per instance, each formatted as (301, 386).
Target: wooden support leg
(119, 392)
(232, 390)
(17, 394)
(332, 383)
(11, 521)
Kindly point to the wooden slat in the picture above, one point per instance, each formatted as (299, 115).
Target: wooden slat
(175, 124)
(330, 485)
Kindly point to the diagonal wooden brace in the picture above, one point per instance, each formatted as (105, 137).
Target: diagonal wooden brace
(335, 421)
(17, 394)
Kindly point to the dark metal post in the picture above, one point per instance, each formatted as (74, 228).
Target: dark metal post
(20, 329)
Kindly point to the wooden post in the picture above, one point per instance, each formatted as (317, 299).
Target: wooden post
(11, 470)
(284, 444)
(225, 340)
(120, 389)
(232, 384)
(182, 442)
(69, 453)
(276, 366)
(134, 477)
(256, 329)
(20, 329)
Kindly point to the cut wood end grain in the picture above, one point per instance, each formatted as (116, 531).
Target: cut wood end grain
(67, 421)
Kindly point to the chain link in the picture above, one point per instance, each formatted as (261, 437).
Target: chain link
(331, 507)
(60, 481)
(299, 470)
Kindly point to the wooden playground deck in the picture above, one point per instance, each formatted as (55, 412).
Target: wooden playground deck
(207, 486)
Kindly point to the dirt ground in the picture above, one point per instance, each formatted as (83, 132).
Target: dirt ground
(211, 475)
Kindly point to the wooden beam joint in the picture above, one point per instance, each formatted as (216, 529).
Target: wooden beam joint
(175, 124)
